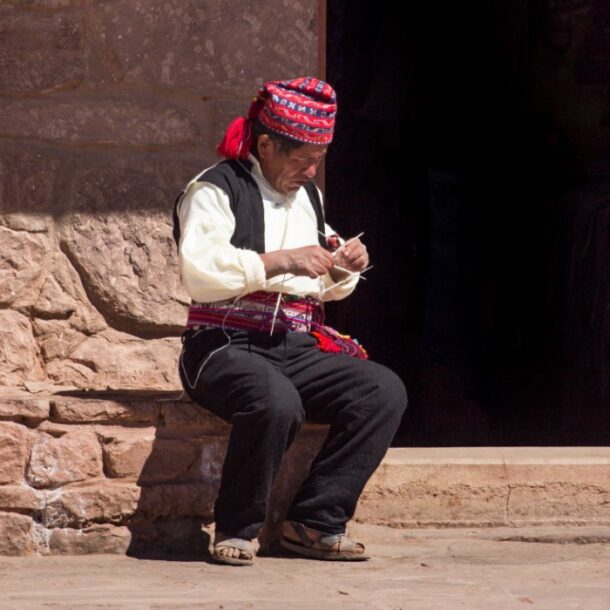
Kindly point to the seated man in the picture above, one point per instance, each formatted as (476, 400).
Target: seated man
(258, 260)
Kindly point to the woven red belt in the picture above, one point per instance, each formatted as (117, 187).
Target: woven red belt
(256, 312)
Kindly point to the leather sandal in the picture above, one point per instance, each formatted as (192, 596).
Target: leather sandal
(309, 542)
(225, 547)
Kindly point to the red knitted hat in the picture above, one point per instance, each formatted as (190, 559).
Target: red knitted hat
(302, 109)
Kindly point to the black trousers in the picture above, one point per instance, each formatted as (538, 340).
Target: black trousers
(266, 386)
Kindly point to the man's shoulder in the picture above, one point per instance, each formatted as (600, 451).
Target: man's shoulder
(226, 169)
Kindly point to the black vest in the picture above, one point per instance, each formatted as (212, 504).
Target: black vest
(235, 179)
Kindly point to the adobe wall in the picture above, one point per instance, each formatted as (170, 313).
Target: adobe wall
(106, 110)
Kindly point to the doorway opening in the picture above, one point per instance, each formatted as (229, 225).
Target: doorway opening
(486, 209)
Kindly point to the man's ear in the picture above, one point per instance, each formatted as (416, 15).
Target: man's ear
(264, 146)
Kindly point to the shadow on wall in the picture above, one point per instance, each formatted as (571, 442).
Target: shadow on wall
(162, 457)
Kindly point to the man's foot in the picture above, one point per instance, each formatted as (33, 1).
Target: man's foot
(309, 542)
(233, 551)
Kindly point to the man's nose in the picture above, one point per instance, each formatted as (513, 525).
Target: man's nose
(310, 172)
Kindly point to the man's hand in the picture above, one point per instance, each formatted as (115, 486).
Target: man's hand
(311, 261)
(353, 256)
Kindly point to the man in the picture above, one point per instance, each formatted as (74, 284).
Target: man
(258, 260)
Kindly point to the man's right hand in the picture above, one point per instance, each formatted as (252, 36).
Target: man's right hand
(311, 261)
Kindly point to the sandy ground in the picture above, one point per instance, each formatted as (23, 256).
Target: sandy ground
(550, 568)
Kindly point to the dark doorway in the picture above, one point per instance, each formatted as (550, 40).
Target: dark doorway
(469, 148)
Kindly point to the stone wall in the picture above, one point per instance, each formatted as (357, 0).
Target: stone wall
(106, 110)
(114, 474)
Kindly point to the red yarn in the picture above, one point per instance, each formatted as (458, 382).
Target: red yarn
(238, 137)
(326, 344)
(237, 140)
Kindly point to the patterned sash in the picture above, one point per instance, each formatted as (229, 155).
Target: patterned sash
(255, 312)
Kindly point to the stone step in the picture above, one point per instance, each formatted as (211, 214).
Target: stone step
(90, 472)
(489, 486)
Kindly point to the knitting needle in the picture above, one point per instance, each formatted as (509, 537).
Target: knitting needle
(349, 241)
(342, 282)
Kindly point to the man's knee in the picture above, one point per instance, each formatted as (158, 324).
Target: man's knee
(389, 395)
(279, 408)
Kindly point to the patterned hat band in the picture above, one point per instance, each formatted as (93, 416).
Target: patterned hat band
(302, 109)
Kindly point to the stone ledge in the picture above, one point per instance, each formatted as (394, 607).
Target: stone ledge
(489, 486)
(105, 471)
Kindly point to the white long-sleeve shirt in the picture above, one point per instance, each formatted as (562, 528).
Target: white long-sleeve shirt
(213, 269)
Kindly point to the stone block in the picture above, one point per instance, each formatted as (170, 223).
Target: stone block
(124, 121)
(118, 360)
(185, 416)
(63, 296)
(22, 263)
(176, 501)
(177, 44)
(56, 339)
(30, 410)
(126, 451)
(79, 411)
(14, 448)
(94, 539)
(176, 460)
(178, 536)
(559, 502)
(435, 494)
(40, 51)
(136, 251)
(32, 223)
(83, 505)
(16, 534)
(58, 430)
(19, 498)
(28, 180)
(75, 456)
(19, 356)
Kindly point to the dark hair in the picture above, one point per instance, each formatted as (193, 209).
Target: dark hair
(284, 143)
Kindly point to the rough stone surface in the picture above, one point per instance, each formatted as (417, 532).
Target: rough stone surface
(117, 359)
(16, 534)
(14, 446)
(19, 498)
(82, 410)
(184, 460)
(126, 451)
(63, 300)
(22, 259)
(183, 44)
(19, 356)
(181, 536)
(187, 416)
(56, 339)
(91, 164)
(427, 495)
(554, 502)
(75, 456)
(492, 486)
(30, 410)
(117, 121)
(40, 52)
(128, 265)
(81, 506)
(94, 539)
(28, 186)
(176, 501)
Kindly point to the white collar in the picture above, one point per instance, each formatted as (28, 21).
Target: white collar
(265, 185)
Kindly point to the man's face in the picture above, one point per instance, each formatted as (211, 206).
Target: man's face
(287, 172)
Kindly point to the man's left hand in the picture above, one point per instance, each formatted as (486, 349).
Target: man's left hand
(352, 257)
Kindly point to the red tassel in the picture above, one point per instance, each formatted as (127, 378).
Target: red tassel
(237, 140)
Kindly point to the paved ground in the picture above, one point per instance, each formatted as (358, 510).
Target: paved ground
(541, 568)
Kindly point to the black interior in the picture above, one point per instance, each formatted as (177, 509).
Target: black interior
(486, 212)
